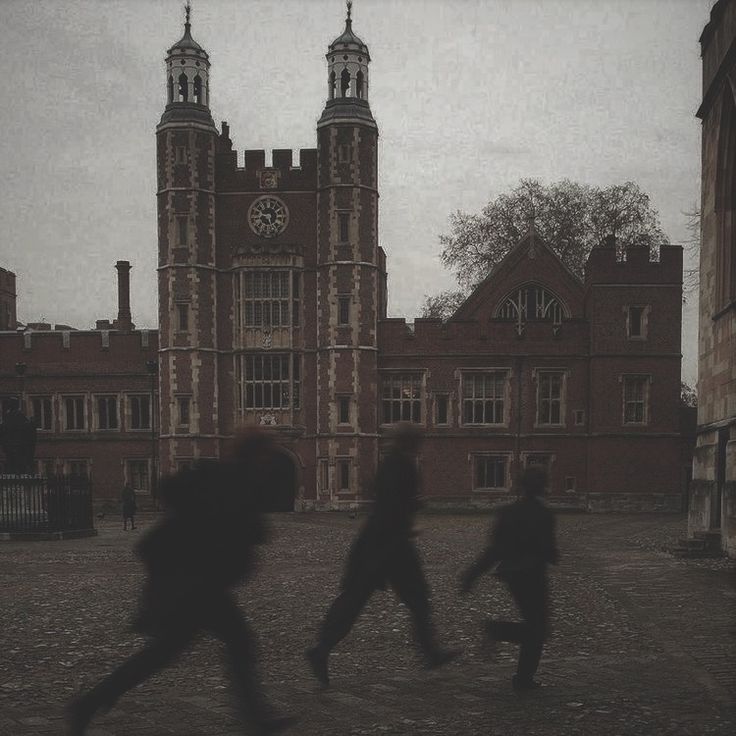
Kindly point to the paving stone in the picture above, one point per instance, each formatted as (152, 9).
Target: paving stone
(641, 640)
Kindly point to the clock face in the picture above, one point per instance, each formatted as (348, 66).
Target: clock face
(268, 217)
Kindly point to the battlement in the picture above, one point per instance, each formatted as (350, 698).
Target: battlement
(432, 336)
(257, 174)
(8, 319)
(635, 266)
(7, 280)
(81, 350)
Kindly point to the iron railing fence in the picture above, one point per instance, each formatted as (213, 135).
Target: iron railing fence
(34, 503)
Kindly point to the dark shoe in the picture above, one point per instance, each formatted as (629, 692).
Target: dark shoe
(525, 685)
(277, 724)
(441, 657)
(318, 663)
(78, 716)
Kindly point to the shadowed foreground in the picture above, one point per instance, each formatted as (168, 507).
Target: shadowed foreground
(642, 642)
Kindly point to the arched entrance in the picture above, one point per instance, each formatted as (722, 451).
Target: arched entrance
(281, 492)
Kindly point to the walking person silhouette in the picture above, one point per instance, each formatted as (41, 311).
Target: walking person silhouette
(384, 554)
(522, 543)
(202, 548)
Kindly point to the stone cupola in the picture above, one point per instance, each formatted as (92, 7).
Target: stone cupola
(347, 76)
(187, 79)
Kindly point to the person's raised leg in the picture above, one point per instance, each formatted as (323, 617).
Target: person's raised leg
(354, 594)
(407, 579)
(159, 652)
(226, 621)
(530, 596)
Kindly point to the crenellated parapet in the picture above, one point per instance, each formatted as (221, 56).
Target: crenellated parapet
(634, 266)
(433, 336)
(255, 175)
(68, 351)
(8, 318)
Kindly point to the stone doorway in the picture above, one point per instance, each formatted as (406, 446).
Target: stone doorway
(281, 493)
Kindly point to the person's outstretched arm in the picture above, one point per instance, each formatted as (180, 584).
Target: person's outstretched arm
(485, 560)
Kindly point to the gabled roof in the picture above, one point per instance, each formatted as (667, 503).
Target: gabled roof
(531, 260)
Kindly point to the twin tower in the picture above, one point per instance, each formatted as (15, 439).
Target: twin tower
(271, 282)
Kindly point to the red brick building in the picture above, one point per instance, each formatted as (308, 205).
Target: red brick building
(272, 310)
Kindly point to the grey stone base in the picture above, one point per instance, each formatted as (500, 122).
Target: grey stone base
(46, 536)
(672, 503)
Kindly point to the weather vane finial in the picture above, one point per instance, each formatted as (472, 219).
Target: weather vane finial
(188, 11)
(350, 8)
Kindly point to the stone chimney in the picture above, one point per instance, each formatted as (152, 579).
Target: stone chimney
(123, 322)
(8, 320)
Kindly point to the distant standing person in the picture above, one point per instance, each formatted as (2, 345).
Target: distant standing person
(384, 554)
(129, 507)
(522, 543)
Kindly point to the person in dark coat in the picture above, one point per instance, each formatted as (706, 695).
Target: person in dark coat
(127, 499)
(521, 545)
(204, 545)
(384, 554)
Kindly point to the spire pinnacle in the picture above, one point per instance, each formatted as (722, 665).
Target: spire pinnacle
(348, 20)
(188, 12)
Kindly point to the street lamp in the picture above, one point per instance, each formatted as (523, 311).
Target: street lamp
(152, 368)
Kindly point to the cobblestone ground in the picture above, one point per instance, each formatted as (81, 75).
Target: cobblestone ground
(643, 643)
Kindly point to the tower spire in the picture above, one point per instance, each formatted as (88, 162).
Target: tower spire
(350, 10)
(187, 14)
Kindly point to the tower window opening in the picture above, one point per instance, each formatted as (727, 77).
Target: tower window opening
(345, 83)
(333, 81)
(183, 88)
(359, 85)
(198, 90)
(170, 87)
(343, 227)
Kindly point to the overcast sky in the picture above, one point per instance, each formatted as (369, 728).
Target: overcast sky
(469, 95)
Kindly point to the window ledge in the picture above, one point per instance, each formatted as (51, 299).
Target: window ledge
(485, 425)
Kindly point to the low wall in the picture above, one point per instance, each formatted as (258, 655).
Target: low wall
(636, 502)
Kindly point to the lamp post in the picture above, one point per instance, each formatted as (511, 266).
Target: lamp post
(152, 368)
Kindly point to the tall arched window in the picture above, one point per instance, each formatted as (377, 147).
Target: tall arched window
(725, 192)
(332, 82)
(183, 88)
(198, 89)
(171, 88)
(345, 83)
(359, 85)
(531, 302)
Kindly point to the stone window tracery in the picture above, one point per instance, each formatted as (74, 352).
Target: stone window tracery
(401, 398)
(531, 302)
(268, 381)
(483, 397)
